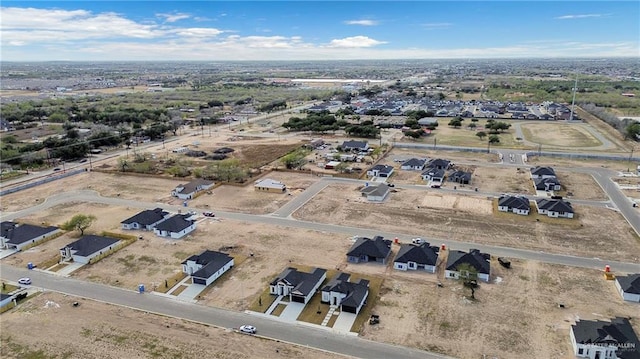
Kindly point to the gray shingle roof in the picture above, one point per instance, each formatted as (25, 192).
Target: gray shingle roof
(175, 223)
(147, 217)
(543, 171)
(378, 190)
(617, 332)
(376, 247)
(630, 283)
(414, 162)
(301, 282)
(476, 259)
(355, 291)
(192, 186)
(90, 244)
(211, 262)
(518, 202)
(423, 254)
(554, 205)
(540, 183)
(20, 233)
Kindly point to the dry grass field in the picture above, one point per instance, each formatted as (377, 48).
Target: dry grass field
(585, 235)
(559, 135)
(511, 317)
(580, 186)
(48, 326)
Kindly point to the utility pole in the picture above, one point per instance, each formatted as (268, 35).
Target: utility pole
(435, 142)
(573, 102)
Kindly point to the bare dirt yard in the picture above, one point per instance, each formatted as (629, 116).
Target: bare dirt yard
(48, 326)
(510, 318)
(502, 180)
(580, 186)
(590, 232)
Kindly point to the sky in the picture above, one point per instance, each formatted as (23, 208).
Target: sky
(315, 30)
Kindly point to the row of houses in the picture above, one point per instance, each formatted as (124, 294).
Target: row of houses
(555, 208)
(340, 292)
(418, 257)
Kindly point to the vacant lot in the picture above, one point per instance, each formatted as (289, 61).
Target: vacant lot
(587, 234)
(510, 318)
(47, 326)
(580, 186)
(501, 180)
(559, 134)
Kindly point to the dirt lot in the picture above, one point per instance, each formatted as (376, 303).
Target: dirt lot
(552, 134)
(415, 312)
(47, 326)
(502, 180)
(592, 230)
(580, 186)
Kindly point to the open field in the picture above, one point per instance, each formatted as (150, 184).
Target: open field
(585, 235)
(559, 135)
(48, 326)
(622, 166)
(510, 318)
(463, 136)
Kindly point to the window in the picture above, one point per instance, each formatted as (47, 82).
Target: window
(580, 350)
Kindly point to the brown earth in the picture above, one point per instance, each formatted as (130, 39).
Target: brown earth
(48, 326)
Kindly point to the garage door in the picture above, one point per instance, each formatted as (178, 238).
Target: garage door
(348, 309)
(199, 281)
(297, 299)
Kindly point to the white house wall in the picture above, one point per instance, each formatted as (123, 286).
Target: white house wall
(85, 260)
(400, 266)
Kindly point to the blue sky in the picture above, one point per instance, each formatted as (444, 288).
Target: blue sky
(315, 30)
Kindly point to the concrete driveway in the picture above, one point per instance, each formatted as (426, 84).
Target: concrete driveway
(72, 267)
(191, 292)
(344, 322)
(292, 311)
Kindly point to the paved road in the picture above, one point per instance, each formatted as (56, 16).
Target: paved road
(94, 197)
(270, 328)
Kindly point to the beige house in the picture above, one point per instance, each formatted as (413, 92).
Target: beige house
(269, 185)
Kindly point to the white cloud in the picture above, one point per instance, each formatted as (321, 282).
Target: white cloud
(362, 22)
(355, 42)
(173, 17)
(580, 16)
(196, 32)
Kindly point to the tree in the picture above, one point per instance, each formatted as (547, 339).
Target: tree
(481, 134)
(632, 131)
(494, 139)
(79, 222)
(472, 126)
(456, 122)
(468, 277)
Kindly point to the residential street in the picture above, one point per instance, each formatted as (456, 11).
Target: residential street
(270, 328)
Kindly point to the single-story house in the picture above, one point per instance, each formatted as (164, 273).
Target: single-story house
(629, 287)
(5, 299)
(477, 260)
(554, 208)
(299, 286)
(175, 227)
(414, 257)
(207, 266)
(376, 193)
(547, 184)
(87, 247)
(189, 190)
(17, 236)
(542, 172)
(380, 171)
(460, 176)
(349, 296)
(414, 164)
(315, 143)
(433, 175)
(370, 250)
(145, 220)
(269, 185)
(355, 146)
(428, 121)
(516, 204)
(597, 339)
(438, 163)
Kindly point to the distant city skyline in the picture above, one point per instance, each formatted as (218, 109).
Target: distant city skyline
(316, 30)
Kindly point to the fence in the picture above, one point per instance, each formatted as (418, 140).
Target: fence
(39, 182)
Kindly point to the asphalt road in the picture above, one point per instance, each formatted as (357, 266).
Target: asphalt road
(269, 328)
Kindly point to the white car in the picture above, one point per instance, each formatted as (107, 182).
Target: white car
(249, 329)
(25, 281)
(417, 241)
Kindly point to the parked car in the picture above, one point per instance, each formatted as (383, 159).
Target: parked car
(83, 160)
(249, 329)
(208, 214)
(25, 281)
(417, 241)
(57, 169)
